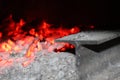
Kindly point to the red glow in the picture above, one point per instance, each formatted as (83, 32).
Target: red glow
(0, 34)
(92, 27)
(18, 41)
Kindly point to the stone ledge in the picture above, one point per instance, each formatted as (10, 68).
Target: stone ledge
(90, 37)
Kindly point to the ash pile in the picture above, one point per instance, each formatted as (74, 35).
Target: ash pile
(50, 66)
(27, 51)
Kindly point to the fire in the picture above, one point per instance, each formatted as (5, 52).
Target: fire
(14, 40)
(31, 48)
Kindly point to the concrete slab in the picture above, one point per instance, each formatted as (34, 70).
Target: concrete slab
(90, 64)
(90, 37)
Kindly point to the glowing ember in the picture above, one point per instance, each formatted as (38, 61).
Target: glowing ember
(15, 41)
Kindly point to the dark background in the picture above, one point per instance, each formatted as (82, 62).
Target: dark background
(101, 13)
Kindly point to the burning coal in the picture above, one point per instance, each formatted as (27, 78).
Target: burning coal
(19, 45)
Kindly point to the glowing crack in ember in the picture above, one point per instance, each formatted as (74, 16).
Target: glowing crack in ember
(17, 45)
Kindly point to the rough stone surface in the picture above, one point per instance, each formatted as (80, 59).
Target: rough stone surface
(92, 65)
(100, 66)
(104, 65)
(49, 66)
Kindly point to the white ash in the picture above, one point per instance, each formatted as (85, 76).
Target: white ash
(49, 66)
